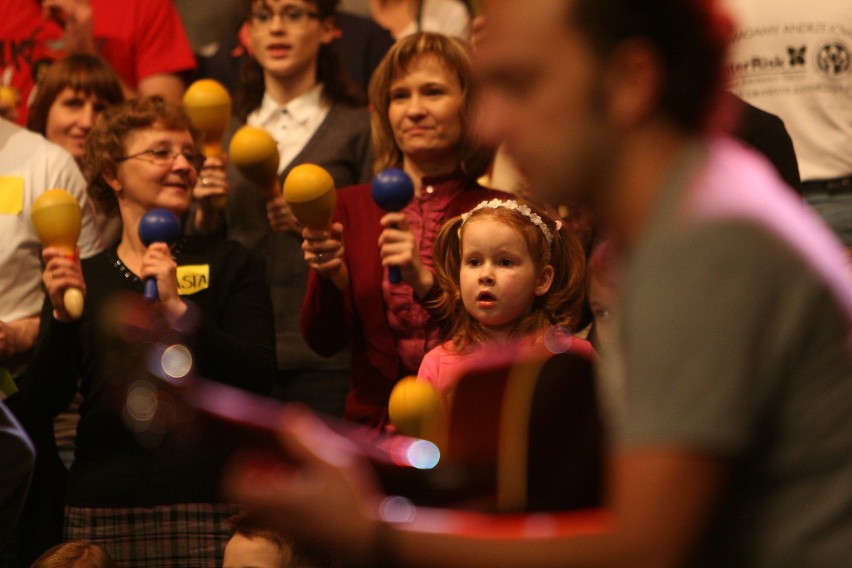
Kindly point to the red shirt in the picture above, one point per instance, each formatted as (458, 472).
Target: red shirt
(138, 38)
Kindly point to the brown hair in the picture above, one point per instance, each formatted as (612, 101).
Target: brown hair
(105, 144)
(75, 554)
(690, 37)
(292, 555)
(83, 73)
(474, 158)
(250, 528)
(560, 305)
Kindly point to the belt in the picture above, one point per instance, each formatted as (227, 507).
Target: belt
(830, 186)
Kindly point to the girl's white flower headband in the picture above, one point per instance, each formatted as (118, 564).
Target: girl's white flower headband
(535, 218)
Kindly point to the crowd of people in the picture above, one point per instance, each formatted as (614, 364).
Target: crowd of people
(594, 179)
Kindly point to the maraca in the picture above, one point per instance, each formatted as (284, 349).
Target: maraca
(57, 218)
(415, 409)
(157, 226)
(254, 152)
(309, 192)
(392, 189)
(208, 105)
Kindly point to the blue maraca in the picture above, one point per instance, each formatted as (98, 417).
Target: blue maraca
(157, 226)
(392, 189)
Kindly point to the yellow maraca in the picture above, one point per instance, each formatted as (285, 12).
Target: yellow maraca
(208, 105)
(309, 192)
(57, 219)
(415, 408)
(254, 153)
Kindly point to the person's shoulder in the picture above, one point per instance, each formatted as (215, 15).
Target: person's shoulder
(349, 112)
(26, 146)
(15, 136)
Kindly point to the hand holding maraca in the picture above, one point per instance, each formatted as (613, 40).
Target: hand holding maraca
(399, 250)
(392, 189)
(208, 104)
(62, 272)
(324, 250)
(280, 216)
(255, 154)
(57, 220)
(157, 229)
(310, 192)
(159, 267)
(210, 193)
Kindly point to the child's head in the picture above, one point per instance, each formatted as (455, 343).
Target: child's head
(256, 545)
(507, 268)
(75, 554)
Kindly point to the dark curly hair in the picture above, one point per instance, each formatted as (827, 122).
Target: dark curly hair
(105, 144)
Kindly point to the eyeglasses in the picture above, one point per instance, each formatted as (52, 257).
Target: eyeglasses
(165, 158)
(290, 14)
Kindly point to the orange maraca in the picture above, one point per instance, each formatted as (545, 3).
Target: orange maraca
(254, 153)
(416, 409)
(309, 192)
(208, 105)
(57, 219)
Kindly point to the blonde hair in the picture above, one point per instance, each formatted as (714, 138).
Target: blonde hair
(474, 158)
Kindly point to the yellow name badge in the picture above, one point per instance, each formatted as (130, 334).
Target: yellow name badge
(193, 278)
(11, 195)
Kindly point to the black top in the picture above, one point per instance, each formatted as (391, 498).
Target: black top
(232, 341)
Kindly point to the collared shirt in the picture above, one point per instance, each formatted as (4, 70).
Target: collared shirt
(293, 124)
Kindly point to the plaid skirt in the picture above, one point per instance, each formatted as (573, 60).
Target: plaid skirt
(185, 535)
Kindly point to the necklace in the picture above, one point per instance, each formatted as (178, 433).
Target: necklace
(128, 274)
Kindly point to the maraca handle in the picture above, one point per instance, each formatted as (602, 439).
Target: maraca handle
(150, 294)
(394, 272)
(73, 302)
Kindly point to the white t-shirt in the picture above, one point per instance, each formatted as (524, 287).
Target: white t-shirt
(794, 59)
(29, 166)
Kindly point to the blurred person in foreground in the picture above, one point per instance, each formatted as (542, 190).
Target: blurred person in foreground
(735, 446)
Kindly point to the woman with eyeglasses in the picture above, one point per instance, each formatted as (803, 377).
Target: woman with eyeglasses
(147, 499)
(295, 87)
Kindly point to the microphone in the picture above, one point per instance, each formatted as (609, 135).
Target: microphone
(392, 189)
(157, 226)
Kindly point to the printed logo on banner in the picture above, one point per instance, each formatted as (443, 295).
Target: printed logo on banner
(833, 59)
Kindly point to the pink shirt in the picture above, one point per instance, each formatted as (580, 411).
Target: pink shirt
(443, 367)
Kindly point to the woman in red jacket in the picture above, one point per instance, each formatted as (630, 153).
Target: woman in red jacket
(420, 99)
